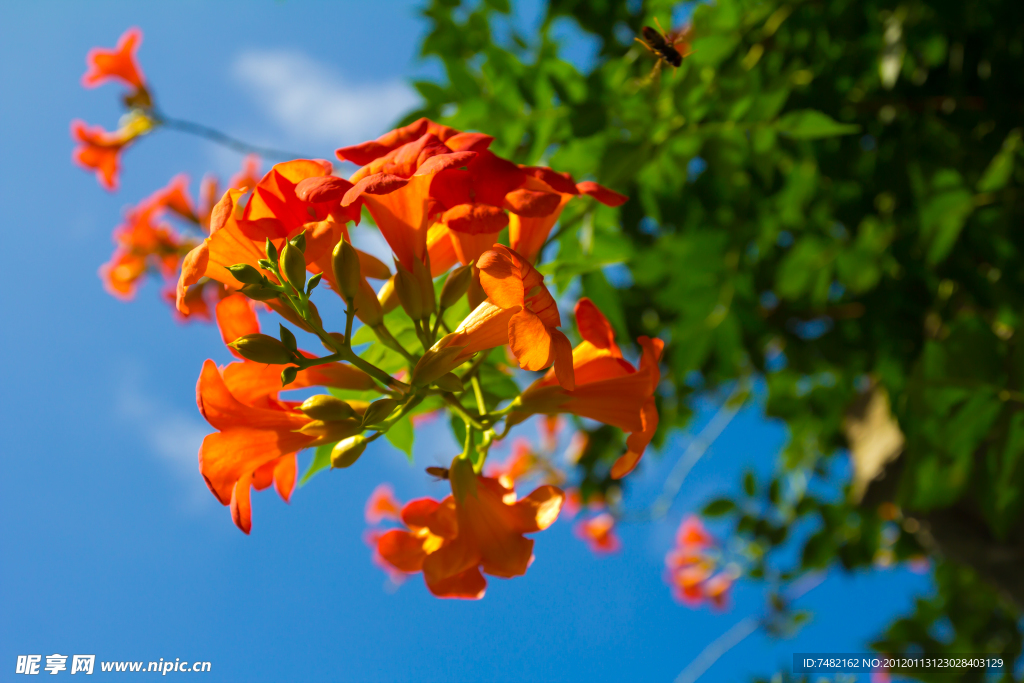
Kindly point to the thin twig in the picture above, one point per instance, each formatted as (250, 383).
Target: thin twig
(740, 630)
(220, 138)
(718, 647)
(693, 453)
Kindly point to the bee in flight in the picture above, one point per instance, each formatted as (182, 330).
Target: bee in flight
(664, 45)
(439, 473)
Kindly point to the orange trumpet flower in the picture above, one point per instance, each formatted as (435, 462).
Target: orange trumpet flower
(258, 434)
(478, 529)
(608, 388)
(396, 189)
(277, 210)
(105, 64)
(519, 311)
(528, 231)
(513, 284)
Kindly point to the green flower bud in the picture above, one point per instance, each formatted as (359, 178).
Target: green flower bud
(345, 262)
(378, 411)
(449, 382)
(262, 348)
(288, 375)
(455, 285)
(246, 274)
(260, 293)
(293, 264)
(368, 308)
(326, 408)
(421, 271)
(347, 451)
(409, 294)
(387, 296)
(288, 339)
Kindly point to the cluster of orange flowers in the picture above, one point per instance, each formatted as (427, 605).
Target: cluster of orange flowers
(466, 228)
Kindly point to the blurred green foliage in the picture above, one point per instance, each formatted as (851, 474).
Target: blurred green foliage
(826, 198)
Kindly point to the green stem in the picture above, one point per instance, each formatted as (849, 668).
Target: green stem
(387, 339)
(457, 407)
(478, 392)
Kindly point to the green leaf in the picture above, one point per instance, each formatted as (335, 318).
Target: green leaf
(1001, 167)
(809, 124)
(321, 460)
(401, 436)
(944, 214)
(749, 483)
(719, 507)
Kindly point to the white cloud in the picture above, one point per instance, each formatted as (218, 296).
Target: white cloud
(314, 103)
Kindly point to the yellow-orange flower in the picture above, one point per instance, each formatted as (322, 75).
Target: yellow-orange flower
(478, 529)
(608, 388)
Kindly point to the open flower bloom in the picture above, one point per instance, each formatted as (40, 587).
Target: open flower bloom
(105, 64)
(476, 201)
(395, 188)
(513, 284)
(382, 505)
(519, 311)
(282, 205)
(473, 203)
(599, 534)
(528, 230)
(608, 388)
(478, 529)
(255, 428)
(100, 151)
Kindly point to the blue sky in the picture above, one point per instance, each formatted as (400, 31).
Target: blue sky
(110, 542)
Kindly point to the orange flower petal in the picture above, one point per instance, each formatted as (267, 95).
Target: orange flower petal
(532, 203)
(236, 318)
(531, 341)
(285, 473)
(594, 327)
(402, 550)
(241, 508)
(601, 193)
(474, 219)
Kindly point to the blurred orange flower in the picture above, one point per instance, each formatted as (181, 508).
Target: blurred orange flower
(599, 534)
(382, 505)
(119, 63)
